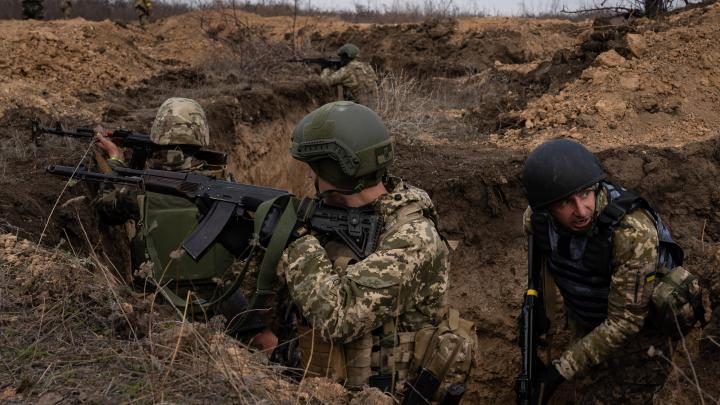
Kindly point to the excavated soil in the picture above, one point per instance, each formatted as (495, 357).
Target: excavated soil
(643, 94)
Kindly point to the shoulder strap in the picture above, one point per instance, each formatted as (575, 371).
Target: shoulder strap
(268, 266)
(598, 252)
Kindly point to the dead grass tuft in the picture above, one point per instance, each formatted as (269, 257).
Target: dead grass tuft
(69, 329)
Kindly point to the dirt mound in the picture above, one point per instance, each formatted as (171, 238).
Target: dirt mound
(665, 92)
(453, 48)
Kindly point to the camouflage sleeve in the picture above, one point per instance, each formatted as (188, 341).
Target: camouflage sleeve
(341, 76)
(408, 268)
(635, 247)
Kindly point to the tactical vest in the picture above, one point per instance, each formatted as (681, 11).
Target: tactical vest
(379, 357)
(581, 264)
(165, 222)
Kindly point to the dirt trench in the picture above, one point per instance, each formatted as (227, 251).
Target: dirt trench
(479, 196)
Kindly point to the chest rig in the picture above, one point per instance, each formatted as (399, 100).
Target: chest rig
(379, 357)
(582, 264)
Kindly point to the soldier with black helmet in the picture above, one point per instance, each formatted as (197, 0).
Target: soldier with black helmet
(355, 80)
(602, 246)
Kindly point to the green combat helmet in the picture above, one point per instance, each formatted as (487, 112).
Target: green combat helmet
(348, 51)
(346, 144)
(180, 121)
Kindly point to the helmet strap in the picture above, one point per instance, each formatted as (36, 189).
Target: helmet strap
(360, 186)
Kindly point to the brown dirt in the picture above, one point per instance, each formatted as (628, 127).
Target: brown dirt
(651, 117)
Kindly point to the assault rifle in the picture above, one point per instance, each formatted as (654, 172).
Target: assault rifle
(226, 206)
(141, 144)
(324, 63)
(531, 316)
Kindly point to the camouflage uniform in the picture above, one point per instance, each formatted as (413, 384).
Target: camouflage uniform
(358, 81)
(32, 9)
(403, 283)
(621, 341)
(144, 9)
(178, 121)
(66, 8)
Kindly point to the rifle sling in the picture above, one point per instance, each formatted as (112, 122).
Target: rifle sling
(268, 267)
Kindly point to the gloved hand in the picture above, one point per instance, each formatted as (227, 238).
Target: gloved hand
(548, 382)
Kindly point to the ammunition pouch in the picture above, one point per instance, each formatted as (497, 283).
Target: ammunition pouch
(447, 351)
(677, 301)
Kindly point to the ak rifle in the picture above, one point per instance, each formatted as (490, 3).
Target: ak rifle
(228, 208)
(324, 63)
(141, 145)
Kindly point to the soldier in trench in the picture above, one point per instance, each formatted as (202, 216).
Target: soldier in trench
(609, 255)
(355, 80)
(360, 317)
(157, 223)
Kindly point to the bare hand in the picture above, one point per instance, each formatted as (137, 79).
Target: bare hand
(265, 340)
(106, 144)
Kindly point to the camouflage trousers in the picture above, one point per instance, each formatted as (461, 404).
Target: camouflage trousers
(631, 376)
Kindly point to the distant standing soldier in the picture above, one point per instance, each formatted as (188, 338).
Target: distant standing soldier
(144, 9)
(66, 8)
(356, 81)
(32, 9)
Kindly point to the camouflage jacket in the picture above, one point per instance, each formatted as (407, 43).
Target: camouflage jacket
(635, 254)
(358, 80)
(405, 279)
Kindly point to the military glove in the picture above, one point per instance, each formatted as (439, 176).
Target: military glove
(549, 381)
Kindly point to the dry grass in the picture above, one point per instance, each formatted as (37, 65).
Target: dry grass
(69, 330)
(411, 108)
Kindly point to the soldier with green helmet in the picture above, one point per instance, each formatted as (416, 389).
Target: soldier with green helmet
(158, 223)
(605, 249)
(355, 80)
(348, 304)
(32, 9)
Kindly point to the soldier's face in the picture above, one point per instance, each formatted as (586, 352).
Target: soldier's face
(575, 212)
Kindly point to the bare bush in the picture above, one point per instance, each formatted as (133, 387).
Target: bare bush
(404, 106)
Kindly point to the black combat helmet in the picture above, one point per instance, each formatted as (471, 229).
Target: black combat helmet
(557, 169)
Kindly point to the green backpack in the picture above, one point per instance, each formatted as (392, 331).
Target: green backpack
(166, 221)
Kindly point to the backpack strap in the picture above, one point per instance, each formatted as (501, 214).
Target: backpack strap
(598, 251)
